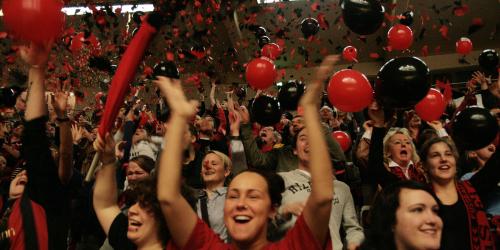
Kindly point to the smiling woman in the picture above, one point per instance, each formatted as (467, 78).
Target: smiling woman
(405, 215)
(252, 198)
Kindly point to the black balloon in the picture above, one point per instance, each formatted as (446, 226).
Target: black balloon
(8, 96)
(266, 111)
(362, 17)
(263, 40)
(260, 31)
(488, 60)
(402, 82)
(289, 94)
(407, 18)
(474, 128)
(168, 69)
(100, 63)
(309, 27)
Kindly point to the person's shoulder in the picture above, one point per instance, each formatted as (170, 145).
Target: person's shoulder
(339, 185)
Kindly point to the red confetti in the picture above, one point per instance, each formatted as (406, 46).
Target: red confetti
(389, 17)
(477, 21)
(11, 58)
(3, 35)
(437, 50)
(314, 7)
(322, 21)
(374, 55)
(170, 56)
(461, 10)
(425, 51)
(199, 18)
(444, 31)
(148, 71)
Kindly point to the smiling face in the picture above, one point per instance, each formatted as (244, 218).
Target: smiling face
(18, 184)
(441, 162)
(302, 147)
(248, 208)
(142, 226)
(400, 149)
(213, 170)
(418, 225)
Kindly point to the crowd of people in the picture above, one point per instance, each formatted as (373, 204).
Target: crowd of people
(197, 177)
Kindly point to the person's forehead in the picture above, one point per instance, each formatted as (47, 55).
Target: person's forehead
(248, 181)
(409, 197)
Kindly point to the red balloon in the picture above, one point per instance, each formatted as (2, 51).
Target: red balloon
(432, 106)
(34, 20)
(79, 40)
(400, 37)
(271, 50)
(261, 73)
(350, 54)
(464, 46)
(343, 139)
(350, 91)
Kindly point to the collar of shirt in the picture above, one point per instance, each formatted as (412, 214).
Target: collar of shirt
(393, 164)
(220, 191)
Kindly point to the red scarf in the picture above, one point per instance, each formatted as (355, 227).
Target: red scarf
(413, 173)
(479, 228)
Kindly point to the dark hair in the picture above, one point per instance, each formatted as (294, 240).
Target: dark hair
(144, 162)
(382, 215)
(275, 184)
(296, 137)
(144, 193)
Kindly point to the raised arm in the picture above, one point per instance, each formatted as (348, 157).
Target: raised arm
(180, 217)
(36, 55)
(65, 164)
(105, 191)
(319, 204)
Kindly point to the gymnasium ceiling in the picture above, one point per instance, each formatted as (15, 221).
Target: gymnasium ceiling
(229, 43)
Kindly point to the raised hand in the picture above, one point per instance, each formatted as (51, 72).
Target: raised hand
(244, 114)
(315, 87)
(60, 103)
(177, 101)
(106, 148)
(35, 54)
(76, 133)
(436, 125)
(376, 114)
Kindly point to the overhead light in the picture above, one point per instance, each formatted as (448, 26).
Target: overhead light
(125, 8)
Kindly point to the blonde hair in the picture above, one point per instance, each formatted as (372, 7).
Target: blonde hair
(228, 165)
(396, 130)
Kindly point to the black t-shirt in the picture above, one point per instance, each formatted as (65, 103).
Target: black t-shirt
(455, 227)
(117, 235)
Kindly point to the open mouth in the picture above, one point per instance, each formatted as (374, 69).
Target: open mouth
(242, 219)
(209, 172)
(404, 153)
(429, 231)
(133, 225)
(444, 167)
